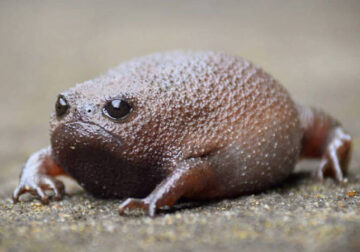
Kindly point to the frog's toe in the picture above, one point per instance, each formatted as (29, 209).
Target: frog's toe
(17, 193)
(56, 186)
(136, 204)
(42, 194)
(330, 167)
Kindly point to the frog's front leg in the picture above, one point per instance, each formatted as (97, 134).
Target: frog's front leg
(325, 138)
(38, 175)
(189, 178)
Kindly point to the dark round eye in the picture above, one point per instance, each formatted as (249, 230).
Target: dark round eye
(117, 109)
(61, 106)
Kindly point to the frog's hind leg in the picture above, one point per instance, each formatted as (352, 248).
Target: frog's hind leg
(325, 138)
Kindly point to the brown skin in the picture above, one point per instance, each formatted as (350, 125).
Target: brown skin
(196, 125)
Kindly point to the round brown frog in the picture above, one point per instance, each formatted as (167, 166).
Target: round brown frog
(193, 125)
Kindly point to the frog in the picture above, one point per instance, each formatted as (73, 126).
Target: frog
(181, 125)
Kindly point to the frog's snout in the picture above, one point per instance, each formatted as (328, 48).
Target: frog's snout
(66, 109)
(84, 134)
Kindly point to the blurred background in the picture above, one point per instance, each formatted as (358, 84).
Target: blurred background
(311, 47)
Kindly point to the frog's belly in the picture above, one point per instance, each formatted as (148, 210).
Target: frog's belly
(105, 176)
(86, 153)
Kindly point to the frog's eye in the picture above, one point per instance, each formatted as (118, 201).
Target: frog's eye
(117, 109)
(62, 106)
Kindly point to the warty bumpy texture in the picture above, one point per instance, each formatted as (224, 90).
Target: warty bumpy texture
(191, 104)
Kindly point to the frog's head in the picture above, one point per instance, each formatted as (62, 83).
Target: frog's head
(109, 143)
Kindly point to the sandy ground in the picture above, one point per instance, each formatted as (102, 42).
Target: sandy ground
(312, 47)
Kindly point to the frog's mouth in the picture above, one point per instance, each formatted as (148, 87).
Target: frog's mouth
(93, 157)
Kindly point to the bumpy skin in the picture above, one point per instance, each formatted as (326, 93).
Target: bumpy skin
(204, 125)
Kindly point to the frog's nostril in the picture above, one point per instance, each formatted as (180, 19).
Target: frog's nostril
(89, 109)
(62, 106)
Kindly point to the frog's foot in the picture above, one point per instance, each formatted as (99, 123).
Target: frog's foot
(191, 177)
(38, 176)
(336, 158)
(135, 204)
(38, 185)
